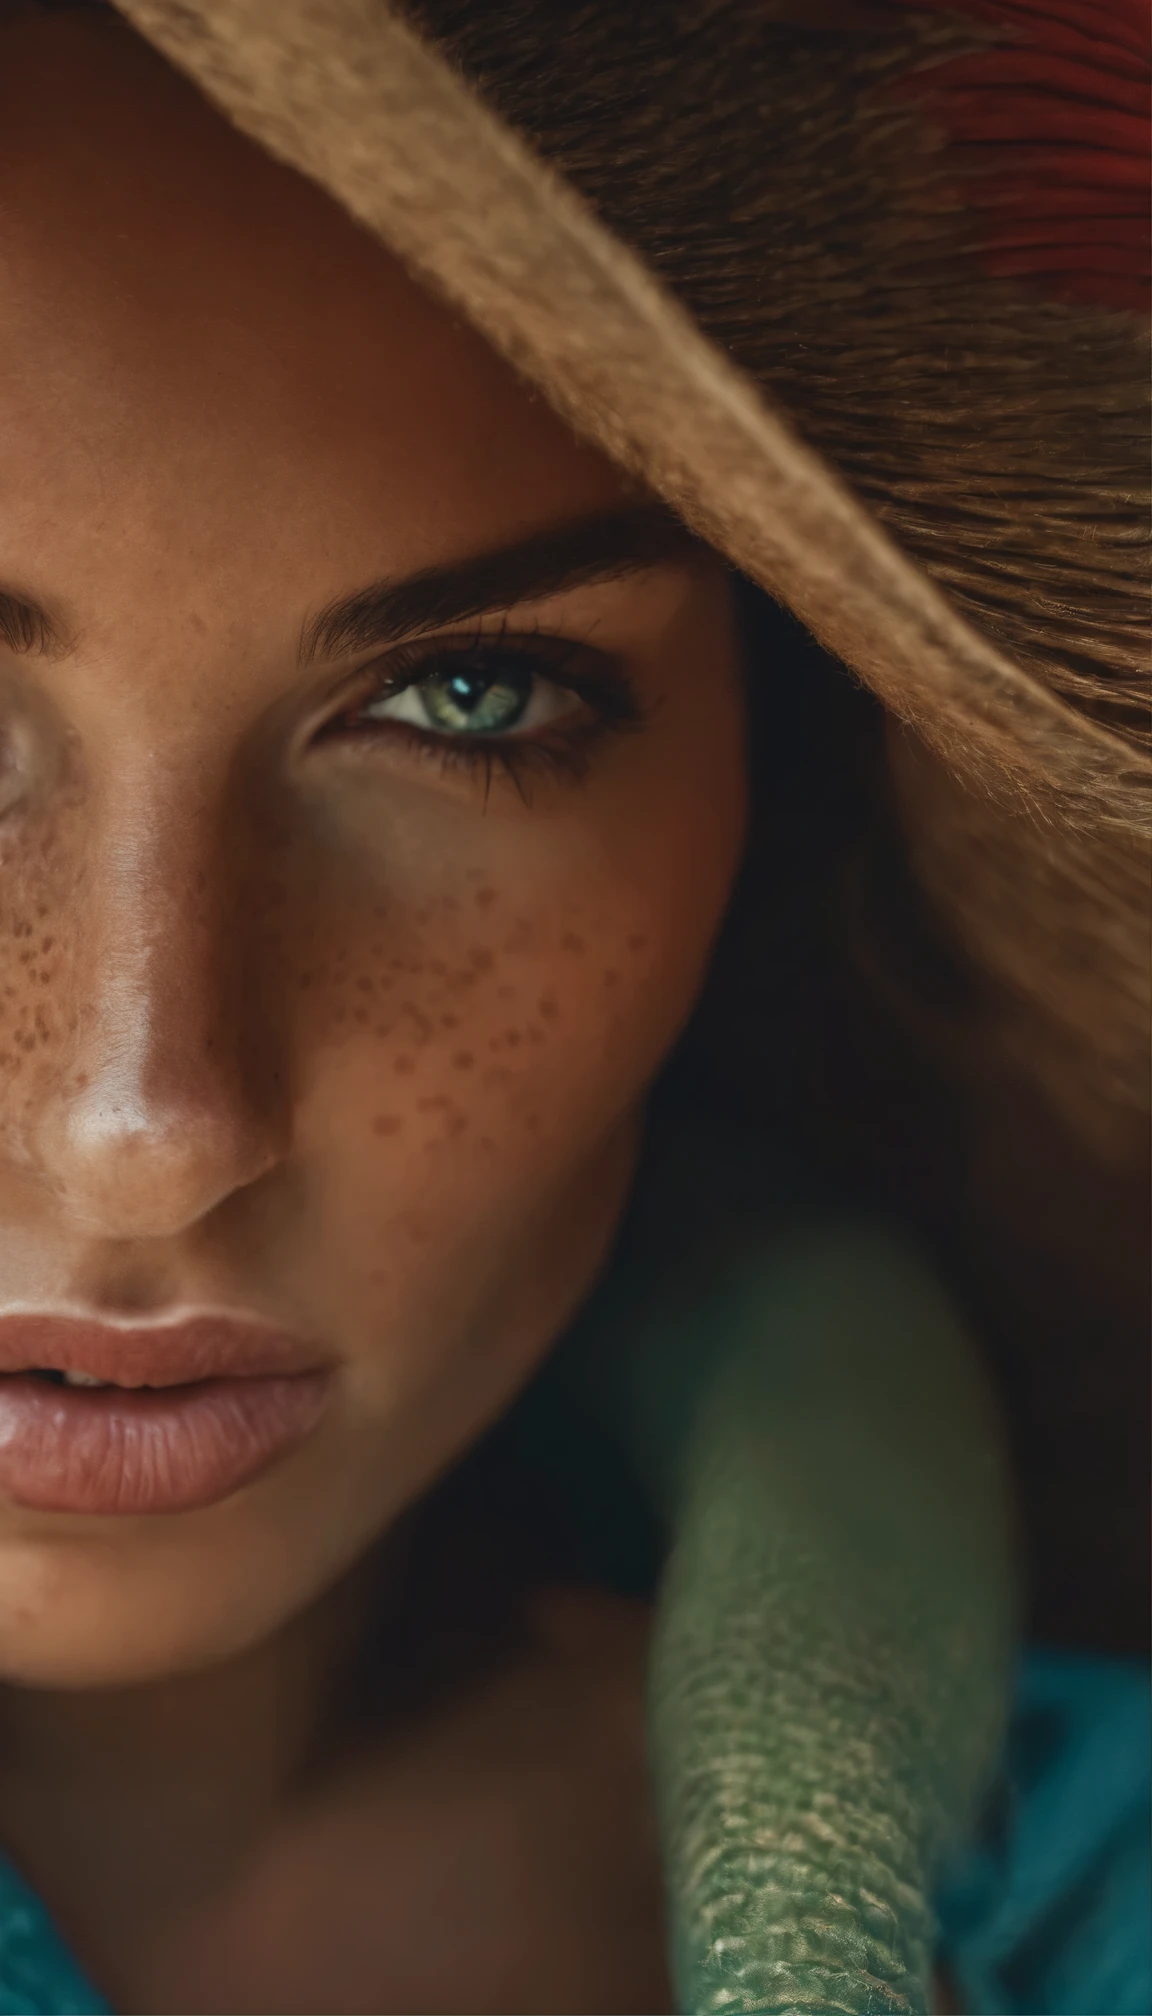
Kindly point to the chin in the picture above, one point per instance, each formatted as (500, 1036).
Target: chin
(87, 1609)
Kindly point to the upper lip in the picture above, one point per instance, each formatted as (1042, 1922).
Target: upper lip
(175, 1352)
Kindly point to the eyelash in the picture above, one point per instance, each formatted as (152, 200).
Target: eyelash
(564, 749)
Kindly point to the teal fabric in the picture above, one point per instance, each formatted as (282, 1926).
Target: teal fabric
(38, 1976)
(1049, 1911)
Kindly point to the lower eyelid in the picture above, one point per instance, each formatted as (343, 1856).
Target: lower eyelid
(566, 753)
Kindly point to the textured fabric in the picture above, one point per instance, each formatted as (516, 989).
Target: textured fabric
(829, 1670)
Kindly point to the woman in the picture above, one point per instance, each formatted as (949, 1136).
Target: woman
(376, 794)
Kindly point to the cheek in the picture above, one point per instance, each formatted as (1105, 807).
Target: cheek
(496, 1028)
(41, 892)
(457, 1062)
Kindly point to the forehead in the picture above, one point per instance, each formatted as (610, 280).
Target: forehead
(191, 337)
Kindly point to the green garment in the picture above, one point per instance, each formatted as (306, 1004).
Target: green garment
(828, 1684)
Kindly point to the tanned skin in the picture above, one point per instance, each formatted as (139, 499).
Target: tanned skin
(327, 1022)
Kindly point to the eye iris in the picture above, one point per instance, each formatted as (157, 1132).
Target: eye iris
(476, 699)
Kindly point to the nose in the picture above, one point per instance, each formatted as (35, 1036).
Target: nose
(166, 1109)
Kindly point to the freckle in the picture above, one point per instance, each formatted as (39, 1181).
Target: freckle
(363, 985)
(379, 1277)
(47, 944)
(611, 978)
(458, 1125)
(449, 1021)
(480, 959)
(485, 898)
(404, 1064)
(45, 976)
(361, 1015)
(532, 1123)
(488, 1145)
(534, 1034)
(305, 982)
(512, 1037)
(387, 1123)
(548, 1008)
(437, 967)
(637, 942)
(464, 1060)
(570, 942)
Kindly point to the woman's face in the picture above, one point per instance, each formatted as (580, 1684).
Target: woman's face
(370, 791)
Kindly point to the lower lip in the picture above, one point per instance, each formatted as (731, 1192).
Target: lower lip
(116, 1449)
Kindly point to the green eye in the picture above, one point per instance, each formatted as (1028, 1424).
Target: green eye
(485, 691)
(474, 697)
(519, 699)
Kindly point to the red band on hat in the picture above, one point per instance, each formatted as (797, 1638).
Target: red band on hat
(1050, 135)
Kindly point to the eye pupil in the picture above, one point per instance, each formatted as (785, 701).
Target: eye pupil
(480, 695)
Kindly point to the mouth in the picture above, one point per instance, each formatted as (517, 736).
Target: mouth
(113, 1420)
(52, 1377)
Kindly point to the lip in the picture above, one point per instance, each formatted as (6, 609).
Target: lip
(195, 1409)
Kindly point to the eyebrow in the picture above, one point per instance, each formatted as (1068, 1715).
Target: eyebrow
(603, 547)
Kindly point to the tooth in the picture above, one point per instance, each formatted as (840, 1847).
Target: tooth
(83, 1379)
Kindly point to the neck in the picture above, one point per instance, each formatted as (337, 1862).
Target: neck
(95, 1776)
